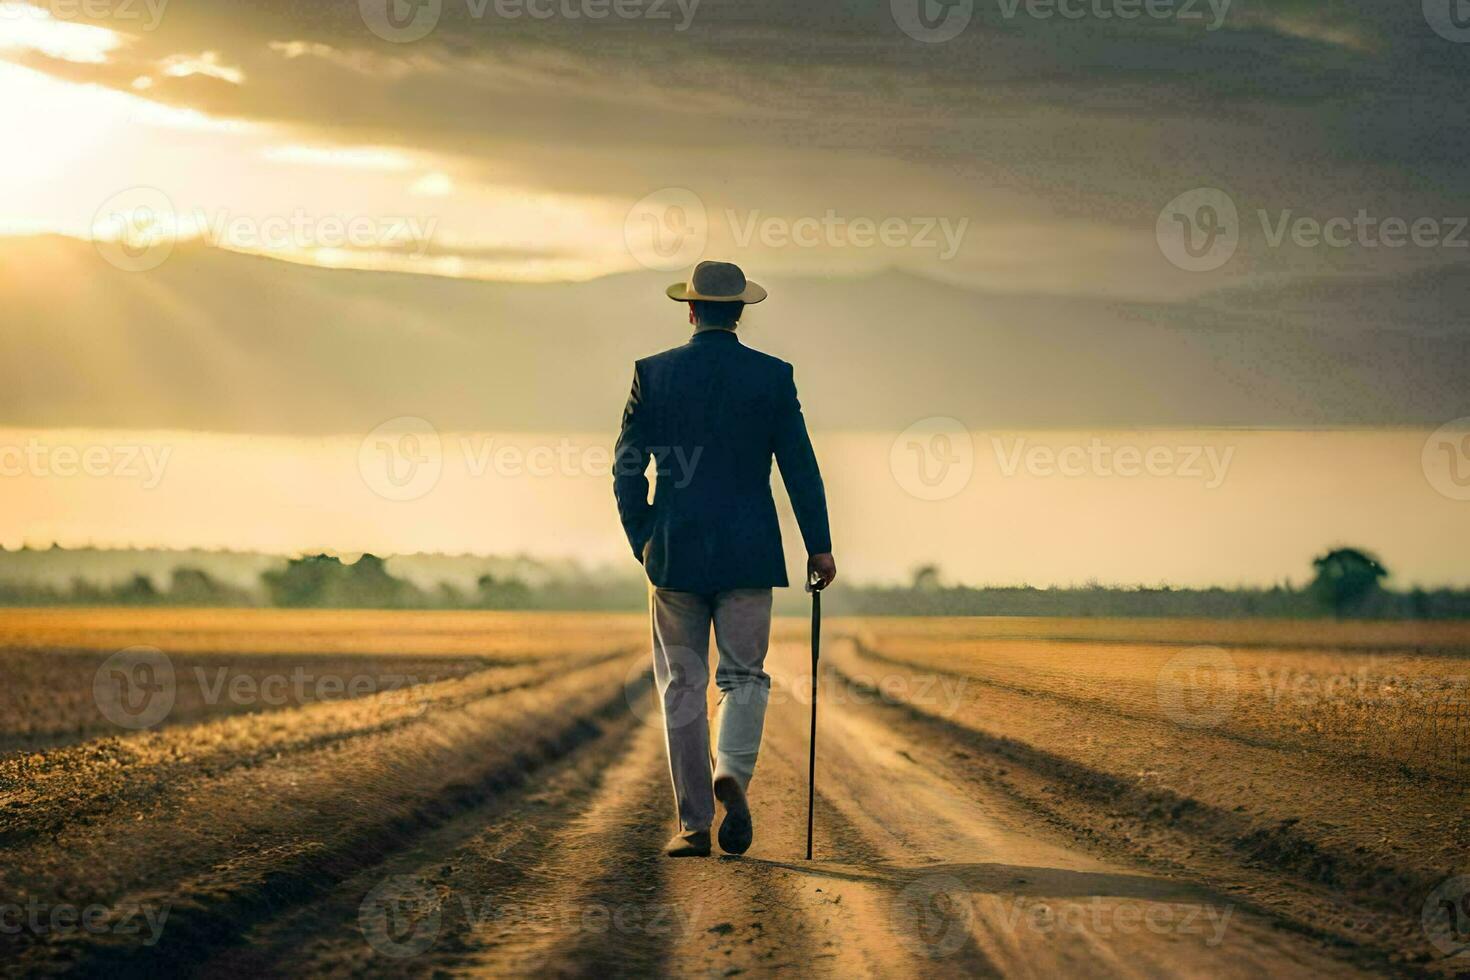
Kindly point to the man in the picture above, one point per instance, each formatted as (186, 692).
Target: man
(712, 414)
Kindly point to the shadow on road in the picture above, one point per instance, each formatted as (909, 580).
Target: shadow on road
(1008, 879)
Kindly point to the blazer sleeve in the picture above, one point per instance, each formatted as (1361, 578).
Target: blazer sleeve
(799, 470)
(630, 465)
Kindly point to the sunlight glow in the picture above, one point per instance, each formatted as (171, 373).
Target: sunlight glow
(432, 185)
(204, 63)
(24, 27)
(354, 157)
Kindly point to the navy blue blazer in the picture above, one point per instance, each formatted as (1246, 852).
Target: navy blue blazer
(712, 414)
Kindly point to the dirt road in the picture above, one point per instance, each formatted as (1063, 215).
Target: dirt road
(508, 820)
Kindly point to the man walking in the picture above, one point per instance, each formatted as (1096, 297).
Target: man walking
(712, 414)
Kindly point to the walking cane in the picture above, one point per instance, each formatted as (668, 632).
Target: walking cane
(811, 769)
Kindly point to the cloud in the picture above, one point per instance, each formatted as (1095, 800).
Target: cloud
(205, 63)
(349, 157)
(1059, 140)
(341, 351)
(24, 27)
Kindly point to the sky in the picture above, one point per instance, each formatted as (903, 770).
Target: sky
(522, 134)
(1090, 217)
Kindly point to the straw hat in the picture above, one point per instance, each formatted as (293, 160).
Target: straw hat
(717, 282)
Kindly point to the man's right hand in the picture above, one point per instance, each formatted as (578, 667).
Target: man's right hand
(821, 570)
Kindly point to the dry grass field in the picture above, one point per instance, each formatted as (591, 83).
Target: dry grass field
(415, 794)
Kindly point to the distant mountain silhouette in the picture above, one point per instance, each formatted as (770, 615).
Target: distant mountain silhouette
(216, 340)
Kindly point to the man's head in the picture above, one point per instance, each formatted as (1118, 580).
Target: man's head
(709, 314)
(717, 293)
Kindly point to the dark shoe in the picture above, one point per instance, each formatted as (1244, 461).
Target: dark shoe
(688, 844)
(736, 830)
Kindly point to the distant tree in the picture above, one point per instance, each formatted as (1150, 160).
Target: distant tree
(138, 590)
(510, 593)
(926, 579)
(1346, 579)
(196, 587)
(322, 581)
(446, 596)
(303, 582)
(87, 592)
(367, 583)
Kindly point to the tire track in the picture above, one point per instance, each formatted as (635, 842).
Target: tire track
(1359, 901)
(40, 798)
(970, 883)
(1025, 869)
(594, 903)
(327, 814)
(474, 867)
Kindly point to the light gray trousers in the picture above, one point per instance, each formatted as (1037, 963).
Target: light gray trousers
(681, 626)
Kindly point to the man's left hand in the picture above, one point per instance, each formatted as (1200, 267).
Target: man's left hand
(821, 570)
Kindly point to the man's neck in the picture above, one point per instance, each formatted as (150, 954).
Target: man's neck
(701, 328)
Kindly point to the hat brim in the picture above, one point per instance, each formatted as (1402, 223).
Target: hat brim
(682, 292)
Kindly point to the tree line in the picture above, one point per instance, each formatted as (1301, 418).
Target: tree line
(1346, 582)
